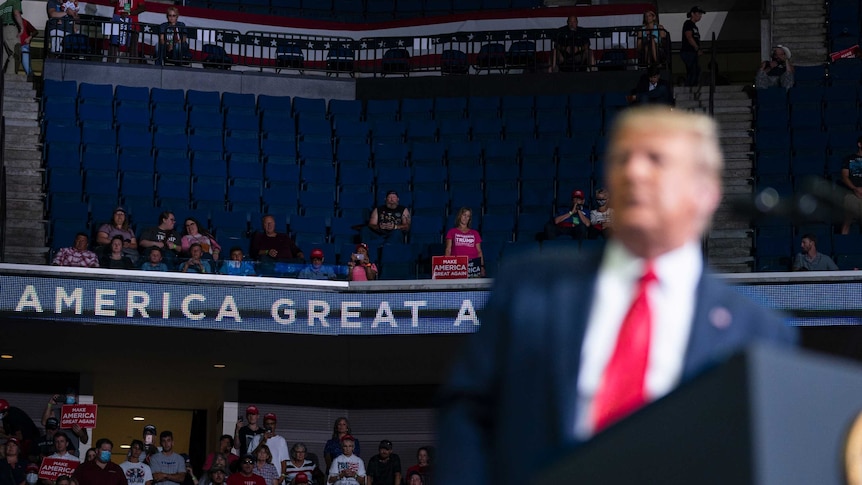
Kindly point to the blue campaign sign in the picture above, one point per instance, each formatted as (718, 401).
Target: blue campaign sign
(261, 307)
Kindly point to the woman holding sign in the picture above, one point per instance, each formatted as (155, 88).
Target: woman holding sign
(463, 241)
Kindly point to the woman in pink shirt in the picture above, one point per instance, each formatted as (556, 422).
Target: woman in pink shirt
(360, 266)
(463, 241)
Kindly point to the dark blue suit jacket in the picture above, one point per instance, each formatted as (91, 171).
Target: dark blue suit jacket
(511, 401)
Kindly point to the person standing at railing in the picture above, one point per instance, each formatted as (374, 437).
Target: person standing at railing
(690, 49)
(13, 22)
(60, 19)
(173, 39)
(126, 38)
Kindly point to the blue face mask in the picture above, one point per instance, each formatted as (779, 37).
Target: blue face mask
(105, 456)
(70, 399)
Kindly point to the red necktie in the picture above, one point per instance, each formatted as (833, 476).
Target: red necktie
(621, 390)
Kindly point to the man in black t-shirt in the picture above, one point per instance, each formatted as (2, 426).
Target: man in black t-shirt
(384, 468)
(571, 47)
(689, 49)
(248, 437)
(389, 222)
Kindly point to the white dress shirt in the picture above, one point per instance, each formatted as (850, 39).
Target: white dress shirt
(672, 302)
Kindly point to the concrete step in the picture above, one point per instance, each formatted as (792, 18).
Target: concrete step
(25, 205)
(22, 238)
(743, 102)
(26, 255)
(734, 126)
(15, 105)
(730, 233)
(728, 252)
(736, 164)
(20, 115)
(22, 124)
(743, 242)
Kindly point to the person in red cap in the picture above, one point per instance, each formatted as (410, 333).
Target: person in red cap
(248, 437)
(18, 424)
(13, 469)
(360, 267)
(347, 468)
(572, 222)
(277, 444)
(317, 270)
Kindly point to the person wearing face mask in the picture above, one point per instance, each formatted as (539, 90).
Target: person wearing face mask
(32, 474)
(601, 217)
(53, 410)
(17, 424)
(316, 270)
(101, 471)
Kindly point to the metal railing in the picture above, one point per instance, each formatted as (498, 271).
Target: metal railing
(512, 51)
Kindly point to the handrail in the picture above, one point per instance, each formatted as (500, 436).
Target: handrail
(713, 66)
(458, 52)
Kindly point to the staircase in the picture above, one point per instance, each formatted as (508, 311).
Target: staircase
(730, 242)
(25, 224)
(801, 26)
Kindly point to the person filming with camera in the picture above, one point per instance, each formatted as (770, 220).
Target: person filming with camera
(777, 71)
(571, 222)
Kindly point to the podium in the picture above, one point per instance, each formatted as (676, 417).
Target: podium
(766, 417)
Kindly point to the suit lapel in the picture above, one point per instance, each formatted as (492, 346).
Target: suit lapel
(710, 328)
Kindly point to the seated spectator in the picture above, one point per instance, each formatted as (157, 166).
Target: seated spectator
(572, 222)
(777, 71)
(360, 267)
(572, 48)
(270, 246)
(601, 218)
(236, 266)
(78, 255)
(225, 444)
(119, 226)
(216, 475)
(651, 40)
(246, 475)
(162, 237)
(154, 261)
(347, 468)
(298, 467)
(414, 478)
(316, 270)
(173, 39)
(811, 260)
(422, 466)
(263, 466)
(195, 233)
(116, 259)
(463, 241)
(388, 223)
(652, 89)
(196, 263)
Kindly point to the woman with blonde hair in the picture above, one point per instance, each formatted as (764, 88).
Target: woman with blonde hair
(651, 39)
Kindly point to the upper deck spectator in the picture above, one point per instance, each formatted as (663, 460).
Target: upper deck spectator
(77, 255)
(572, 48)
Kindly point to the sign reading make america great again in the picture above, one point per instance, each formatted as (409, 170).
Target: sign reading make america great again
(243, 308)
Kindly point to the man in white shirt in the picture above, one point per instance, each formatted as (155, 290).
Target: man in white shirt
(541, 338)
(137, 472)
(61, 447)
(277, 444)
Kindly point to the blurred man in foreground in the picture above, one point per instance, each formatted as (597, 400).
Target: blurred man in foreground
(550, 368)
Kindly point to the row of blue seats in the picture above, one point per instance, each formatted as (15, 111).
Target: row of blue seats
(355, 110)
(247, 136)
(775, 248)
(780, 139)
(356, 11)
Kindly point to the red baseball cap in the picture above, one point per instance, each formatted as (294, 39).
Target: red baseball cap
(270, 416)
(578, 194)
(300, 478)
(252, 410)
(32, 467)
(317, 253)
(348, 437)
